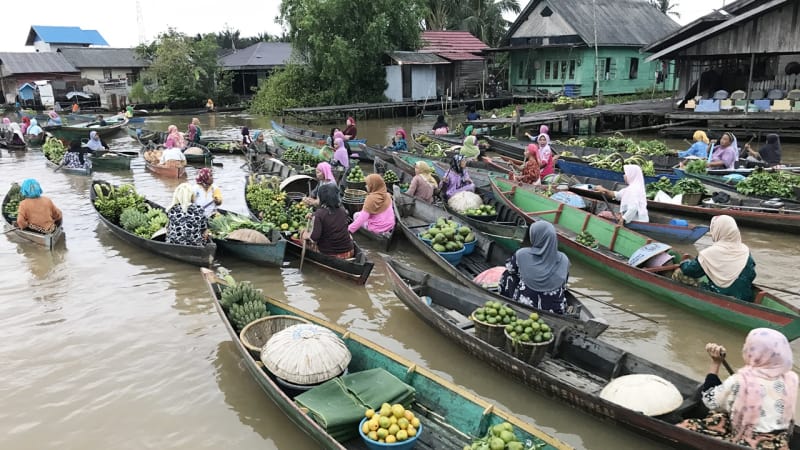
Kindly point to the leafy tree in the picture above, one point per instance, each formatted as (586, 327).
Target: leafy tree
(666, 7)
(483, 18)
(290, 87)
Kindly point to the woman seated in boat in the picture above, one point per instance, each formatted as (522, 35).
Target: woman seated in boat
(423, 185)
(470, 148)
(207, 194)
(329, 234)
(34, 129)
(95, 143)
(440, 127)
(54, 120)
(129, 112)
(210, 105)
(725, 154)
(340, 156)
(187, 223)
(260, 144)
(101, 121)
(174, 136)
(530, 171)
(727, 264)
(632, 199)
(377, 214)
(457, 178)
(399, 143)
(537, 275)
(26, 123)
(36, 212)
(700, 147)
(194, 132)
(246, 141)
(75, 157)
(547, 160)
(755, 406)
(172, 155)
(325, 176)
(15, 133)
(770, 153)
(350, 129)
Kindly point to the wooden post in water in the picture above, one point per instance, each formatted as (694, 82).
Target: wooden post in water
(749, 83)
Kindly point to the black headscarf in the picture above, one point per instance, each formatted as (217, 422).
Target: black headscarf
(76, 147)
(440, 123)
(328, 195)
(455, 164)
(771, 151)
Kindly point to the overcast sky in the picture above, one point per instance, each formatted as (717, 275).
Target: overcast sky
(117, 20)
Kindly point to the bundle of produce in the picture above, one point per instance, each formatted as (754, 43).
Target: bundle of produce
(229, 147)
(404, 186)
(586, 238)
(298, 214)
(688, 186)
(696, 166)
(465, 200)
(355, 175)
(769, 184)
(502, 437)
(143, 224)
(263, 195)
(494, 313)
(447, 236)
(54, 150)
(434, 150)
(14, 198)
(663, 184)
(390, 177)
(242, 302)
(532, 329)
(111, 201)
(423, 139)
(390, 424)
(231, 226)
(619, 143)
(153, 156)
(483, 210)
(616, 162)
(298, 155)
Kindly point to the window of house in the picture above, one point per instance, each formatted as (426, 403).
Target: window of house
(607, 69)
(563, 69)
(546, 12)
(547, 70)
(106, 74)
(633, 73)
(521, 69)
(572, 69)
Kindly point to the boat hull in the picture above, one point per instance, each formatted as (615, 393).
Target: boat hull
(357, 270)
(585, 170)
(46, 240)
(68, 170)
(169, 172)
(310, 136)
(263, 254)
(111, 161)
(70, 133)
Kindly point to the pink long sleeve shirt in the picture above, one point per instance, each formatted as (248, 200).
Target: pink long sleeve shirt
(377, 223)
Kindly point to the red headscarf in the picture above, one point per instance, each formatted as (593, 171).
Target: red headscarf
(402, 132)
(351, 120)
(204, 177)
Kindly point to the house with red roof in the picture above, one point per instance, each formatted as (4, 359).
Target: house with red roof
(450, 63)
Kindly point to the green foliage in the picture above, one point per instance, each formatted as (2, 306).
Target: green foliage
(769, 184)
(688, 186)
(14, 198)
(483, 18)
(54, 150)
(111, 201)
(140, 94)
(696, 166)
(291, 87)
(131, 218)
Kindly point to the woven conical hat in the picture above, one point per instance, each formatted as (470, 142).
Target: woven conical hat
(305, 354)
(194, 151)
(248, 235)
(649, 394)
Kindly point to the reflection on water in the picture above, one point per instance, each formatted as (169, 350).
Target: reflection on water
(106, 345)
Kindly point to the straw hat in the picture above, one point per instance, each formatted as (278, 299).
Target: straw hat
(305, 354)
(649, 394)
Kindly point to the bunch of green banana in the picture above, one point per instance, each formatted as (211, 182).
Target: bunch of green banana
(242, 314)
(239, 294)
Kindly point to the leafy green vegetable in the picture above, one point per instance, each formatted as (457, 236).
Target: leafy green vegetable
(696, 166)
(688, 186)
(14, 198)
(769, 184)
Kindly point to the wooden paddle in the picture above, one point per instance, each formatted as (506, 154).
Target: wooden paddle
(725, 363)
(764, 286)
(309, 228)
(612, 305)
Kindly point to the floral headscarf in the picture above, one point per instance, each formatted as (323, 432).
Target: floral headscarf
(204, 177)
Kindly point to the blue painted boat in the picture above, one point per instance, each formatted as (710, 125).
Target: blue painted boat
(585, 170)
(673, 233)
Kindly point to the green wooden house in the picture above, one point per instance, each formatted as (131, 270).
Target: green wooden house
(552, 48)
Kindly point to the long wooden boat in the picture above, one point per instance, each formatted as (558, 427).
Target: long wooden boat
(508, 230)
(747, 212)
(585, 170)
(68, 170)
(143, 136)
(271, 254)
(283, 143)
(46, 240)
(414, 216)
(197, 255)
(13, 147)
(150, 140)
(79, 131)
(169, 172)
(303, 135)
(37, 140)
(110, 161)
(574, 370)
(451, 416)
(718, 181)
(617, 244)
(480, 176)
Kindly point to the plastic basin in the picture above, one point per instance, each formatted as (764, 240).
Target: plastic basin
(408, 444)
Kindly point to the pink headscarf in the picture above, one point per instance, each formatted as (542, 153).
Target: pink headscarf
(53, 115)
(175, 136)
(544, 129)
(533, 150)
(402, 132)
(340, 155)
(351, 121)
(767, 357)
(337, 135)
(325, 168)
(6, 121)
(634, 195)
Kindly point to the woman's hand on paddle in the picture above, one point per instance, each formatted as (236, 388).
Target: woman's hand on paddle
(716, 352)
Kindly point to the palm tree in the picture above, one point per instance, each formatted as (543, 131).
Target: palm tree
(441, 14)
(484, 18)
(666, 7)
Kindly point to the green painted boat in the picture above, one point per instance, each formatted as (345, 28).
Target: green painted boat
(81, 131)
(617, 244)
(270, 254)
(451, 416)
(284, 144)
(720, 182)
(104, 161)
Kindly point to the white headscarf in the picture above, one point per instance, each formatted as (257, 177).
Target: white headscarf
(634, 196)
(727, 257)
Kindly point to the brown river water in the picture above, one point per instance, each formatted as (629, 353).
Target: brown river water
(104, 345)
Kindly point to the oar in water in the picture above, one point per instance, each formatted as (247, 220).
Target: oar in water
(612, 305)
(764, 286)
(309, 227)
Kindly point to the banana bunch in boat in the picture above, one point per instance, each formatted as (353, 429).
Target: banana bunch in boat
(648, 169)
(239, 294)
(14, 198)
(433, 150)
(244, 313)
(422, 139)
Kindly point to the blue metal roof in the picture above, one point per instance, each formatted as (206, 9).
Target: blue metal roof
(64, 35)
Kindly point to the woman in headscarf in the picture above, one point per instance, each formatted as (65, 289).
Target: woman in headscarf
(725, 154)
(470, 148)
(34, 129)
(246, 141)
(75, 157)
(194, 132)
(128, 111)
(175, 137)
(325, 176)
(440, 127)
(340, 156)
(350, 129)
(95, 143)
(172, 155)
(755, 406)
(329, 234)
(399, 143)
(26, 123)
(531, 173)
(377, 214)
(632, 199)
(537, 275)
(727, 264)
(54, 120)
(699, 148)
(547, 161)
(457, 178)
(15, 133)
(206, 194)
(423, 185)
(36, 212)
(187, 223)
(770, 153)
(469, 131)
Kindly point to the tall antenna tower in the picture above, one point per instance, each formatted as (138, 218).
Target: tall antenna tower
(140, 22)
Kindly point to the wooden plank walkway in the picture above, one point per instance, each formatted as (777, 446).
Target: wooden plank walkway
(639, 108)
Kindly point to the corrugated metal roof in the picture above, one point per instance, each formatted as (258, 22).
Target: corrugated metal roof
(451, 41)
(417, 58)
(619, 22)
(64, 35)
(102, 57)
(17, 63)
(460, 56)
(259, 55)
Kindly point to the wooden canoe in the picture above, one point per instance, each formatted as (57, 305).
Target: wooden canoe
(196, 255)
(151, 140)
(169, 172)
(719, 182)
(271, 254)
(68, 170)
(311, 136)
(283, 143)
(13, 147)
(574, 370)
(79, 131)
(450, 415)
(617, 244)
(37, 140)
(747, 212)
(46, 240)
(585, 170)
(110, 161)
(414, 216)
